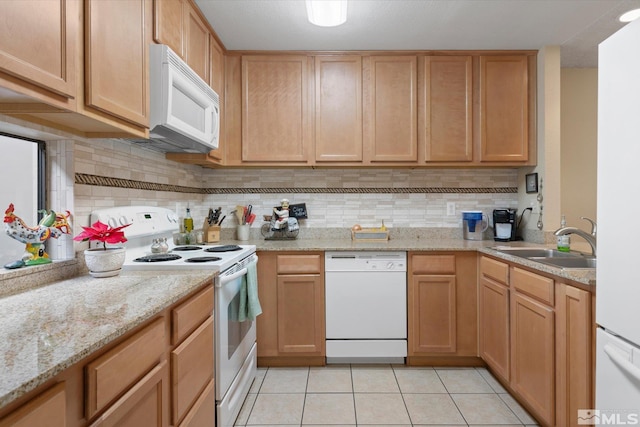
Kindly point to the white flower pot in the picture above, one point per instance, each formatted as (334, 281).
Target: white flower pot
(104, 263)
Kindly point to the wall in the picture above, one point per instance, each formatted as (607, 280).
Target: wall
(548, 131)
(579, 112)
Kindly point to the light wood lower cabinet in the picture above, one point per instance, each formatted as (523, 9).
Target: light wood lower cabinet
(111, 374)
(143, 405)
(47, 409)
(442, 308)
(291, 329)
(532, 354)
(536, 335)
(142, 380)
(493, 307)
(574, 358)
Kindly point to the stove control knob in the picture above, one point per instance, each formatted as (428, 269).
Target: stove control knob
(113, 222)
(390, 265)
(123, 220)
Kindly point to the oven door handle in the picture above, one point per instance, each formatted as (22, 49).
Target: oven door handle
(226, 279)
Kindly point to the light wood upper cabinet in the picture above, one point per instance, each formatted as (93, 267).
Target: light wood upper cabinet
(338, 108)
(216, 81)
(39, 43)
(196, 42)
(504, 108)
(118, 33)
(275, 108)
(391, 108)
(168, 24)
(447, 116)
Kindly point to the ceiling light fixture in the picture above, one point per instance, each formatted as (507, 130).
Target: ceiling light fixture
(327, 13)
(629, 16)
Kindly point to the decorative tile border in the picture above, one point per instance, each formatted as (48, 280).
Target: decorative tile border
(104, 181)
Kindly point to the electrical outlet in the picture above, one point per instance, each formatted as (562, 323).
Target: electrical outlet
(451, 208)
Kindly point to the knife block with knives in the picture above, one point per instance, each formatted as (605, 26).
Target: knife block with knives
(211, 226)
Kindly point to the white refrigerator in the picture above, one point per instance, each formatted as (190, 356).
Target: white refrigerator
(618, 271)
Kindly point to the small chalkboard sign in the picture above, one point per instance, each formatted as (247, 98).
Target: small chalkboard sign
(298, 211)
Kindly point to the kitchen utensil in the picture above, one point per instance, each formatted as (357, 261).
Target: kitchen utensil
(239, 213)
(220, 222)
(210, 217)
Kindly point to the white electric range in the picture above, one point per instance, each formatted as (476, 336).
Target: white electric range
(235, 341)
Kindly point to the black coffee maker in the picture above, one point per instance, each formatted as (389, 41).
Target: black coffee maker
(504, 224)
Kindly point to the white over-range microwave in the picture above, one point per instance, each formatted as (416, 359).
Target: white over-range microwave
(185, 111)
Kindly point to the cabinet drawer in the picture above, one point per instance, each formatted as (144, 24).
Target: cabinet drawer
(534, 285)
(114, 372)
(189, 315)
(47, 409)
(203, 412)
(144, 404)
(191, 369)
(299, 264)
(433, 264)
(498, 271)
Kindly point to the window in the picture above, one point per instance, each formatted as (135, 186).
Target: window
(22, 173)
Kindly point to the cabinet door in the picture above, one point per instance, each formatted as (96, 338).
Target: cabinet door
(117, 57)
(216, 81)
(532, 355)
(47, 409)
(301, 314)
(504, 109)
(448, 111)
(267, 322)
(494, 326)
(432, 314)
(196, 42)
(392, 114)
(275, 111)
(203, 413)
(144, 405)
(168, 24)
(38, 43)
(574, 364)
(192, 365)
(338, 112)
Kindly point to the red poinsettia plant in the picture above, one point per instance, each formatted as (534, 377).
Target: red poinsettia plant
(100, 232)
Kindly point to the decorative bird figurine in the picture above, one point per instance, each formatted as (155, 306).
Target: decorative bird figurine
(52, 225)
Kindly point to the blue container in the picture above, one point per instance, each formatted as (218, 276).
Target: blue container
(473, 224)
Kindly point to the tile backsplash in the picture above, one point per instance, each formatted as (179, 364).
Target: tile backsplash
(335, 198)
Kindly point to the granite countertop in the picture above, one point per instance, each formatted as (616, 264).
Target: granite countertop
(584, 277)
(47, 329)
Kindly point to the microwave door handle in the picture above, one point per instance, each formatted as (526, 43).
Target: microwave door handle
(226, 279)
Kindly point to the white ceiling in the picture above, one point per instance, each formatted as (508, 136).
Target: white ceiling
(575, 25)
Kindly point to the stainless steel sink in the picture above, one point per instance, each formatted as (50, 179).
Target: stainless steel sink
(569, 262)
(554, 257)
(538, 253)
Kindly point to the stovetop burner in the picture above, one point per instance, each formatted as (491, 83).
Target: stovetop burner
(158, 258)
(187, 248)
(203, 259)
(224, 248)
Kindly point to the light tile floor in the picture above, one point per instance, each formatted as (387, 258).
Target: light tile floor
(349, 395)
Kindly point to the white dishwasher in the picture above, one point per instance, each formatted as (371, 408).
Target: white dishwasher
(366, 306)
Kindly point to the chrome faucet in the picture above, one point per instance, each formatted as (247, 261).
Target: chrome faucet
(590, 238)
